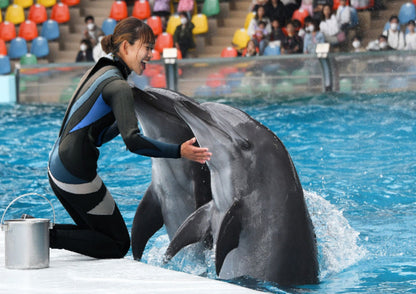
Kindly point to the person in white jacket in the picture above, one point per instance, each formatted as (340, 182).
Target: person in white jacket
(411, 36)
(395, 37)
(329, 25)
(343, 15)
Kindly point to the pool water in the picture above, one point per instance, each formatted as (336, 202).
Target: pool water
(355, 155)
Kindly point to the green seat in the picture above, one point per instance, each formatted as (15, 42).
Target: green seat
(4, 4)
(28, 59)
(211, 7)
(345, 85)
(22, 85)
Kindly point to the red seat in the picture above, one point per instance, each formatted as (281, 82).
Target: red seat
(7, 31)
(60, 13)
(155, 22)
(300, 14)
(141, 9)
(71, 2)
(156, 55)
(37, 13)
(158, 81)
(229, 52)
(164, 40)
(28, 30)
(215, 80)
(336, 4)
(118, 10)
(3, 48)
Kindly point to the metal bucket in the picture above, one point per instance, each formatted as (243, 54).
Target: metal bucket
(27, 240)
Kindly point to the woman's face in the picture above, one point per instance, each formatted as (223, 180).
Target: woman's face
(136, 56)
(260, 11)
(327, 11)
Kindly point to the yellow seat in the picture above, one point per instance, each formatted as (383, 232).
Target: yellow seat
(15, 14)
(24, 3)
(173, 22)
(1, 18)
(47, 3)
(249, 17)
(241, 38)
(200, 22)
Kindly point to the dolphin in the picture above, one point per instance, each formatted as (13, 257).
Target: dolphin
(178, 187)
(257, 216)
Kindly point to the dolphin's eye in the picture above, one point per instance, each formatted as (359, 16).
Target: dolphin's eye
(244, 144)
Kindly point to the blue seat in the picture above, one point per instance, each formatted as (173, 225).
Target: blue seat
(234, 79)
(203, 91)
(271, 50)
(223, 90)
(17, 48)
(386, 26)
(40, 47)
(407, 12)
(108, 26)
(50, 30)
(5, 67)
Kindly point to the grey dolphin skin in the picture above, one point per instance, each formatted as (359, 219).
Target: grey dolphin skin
(178, 187)
(258, 216)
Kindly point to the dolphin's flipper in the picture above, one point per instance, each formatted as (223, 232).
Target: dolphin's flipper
(229, 235)
(147, 221)
(195, 228)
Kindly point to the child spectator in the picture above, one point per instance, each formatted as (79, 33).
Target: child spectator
(411, 36)
(276, 34)
(183, 37)
(260, 35)
(85, 52)
(343, 15)
(329, 26)
(395, 38)
(313, 36)
(92, 32)
(356, 44)
(379, 45)
(251, 49)
(292, 43)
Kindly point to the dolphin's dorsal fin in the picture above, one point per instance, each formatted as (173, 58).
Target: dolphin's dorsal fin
(195, 228)
(229, 235)
(147, 221)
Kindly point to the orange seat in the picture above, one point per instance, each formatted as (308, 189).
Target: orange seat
(28, 30)
(158, 81)
(15, 14)
(229, 52)
(155, 22)
(3, 48)
(60, 13)
(70, 2)
(156, 55)
(118, 10)
(47, 3)
(300, 15)
(215, 80)
(24, 3)
(336, 4)
(7, 31)
(164, 40)
(141, 9)
(37, 13)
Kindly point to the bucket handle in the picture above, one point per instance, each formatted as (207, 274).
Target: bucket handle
(24, 195)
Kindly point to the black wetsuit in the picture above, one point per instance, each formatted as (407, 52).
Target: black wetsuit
(101, 108)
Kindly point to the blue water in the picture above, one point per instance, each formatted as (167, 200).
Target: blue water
(355, 156)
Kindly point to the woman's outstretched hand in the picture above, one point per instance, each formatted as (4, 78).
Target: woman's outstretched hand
(191, 152)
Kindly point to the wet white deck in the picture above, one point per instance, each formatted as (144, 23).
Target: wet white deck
(73, 273)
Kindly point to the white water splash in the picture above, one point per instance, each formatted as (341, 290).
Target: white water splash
(337, 240)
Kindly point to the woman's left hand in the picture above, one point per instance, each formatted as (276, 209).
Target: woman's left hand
(191, 152)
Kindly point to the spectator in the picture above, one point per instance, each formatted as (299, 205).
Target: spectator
(186, 6)
(276, 34)
(329, 26)
(318, 6)
(92, 31)
(313, 36)
(85, 52)
(276, 9)
(411, 36)
(183, 37)
(343, 15)
(380, 44)
(162, 8)
(260, 37)
(395, 38)
(97, 51)
(356, 44)
(256, 4)
(307, 23)
(254, 23)
(251, 49)
(292, 43)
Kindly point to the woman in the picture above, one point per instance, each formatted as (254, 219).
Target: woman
(101, 108)
(254, 25)
(329, 26)
(313, 37)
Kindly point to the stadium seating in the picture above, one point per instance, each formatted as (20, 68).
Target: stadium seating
(240, 38)
(40, 47)
(70, 2)
(3, 48)
(249, 17)
(271, 50)
(164, 40)
(28, 58)
(362, 4)
(5, 66)
(300, 14)
(200, 22)
(215, 80)
(336, 4)
(47, 3)
(156, 55)
(211, 7)
(108, 26)
(17, 48)
(60, 13)
(118, 10)
(141, 9)
(24, 3)
(158, 81)
(4, 4)
(15, 14)
(1, 17)
(407, 12)
(28, 30)
(229, 52)
(37, 13)
(155, 22)
(173, 21)
(50, 30)
(7, 31)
